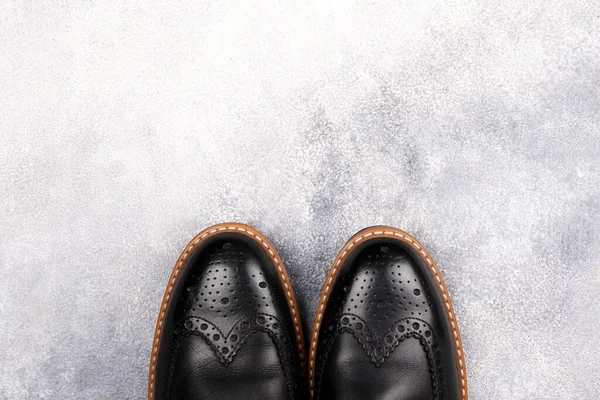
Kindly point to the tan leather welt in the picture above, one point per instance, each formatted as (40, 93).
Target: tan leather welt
(369, 234)
(264, 243)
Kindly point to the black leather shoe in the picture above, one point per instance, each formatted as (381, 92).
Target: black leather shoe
(385, 327)
(228, 327)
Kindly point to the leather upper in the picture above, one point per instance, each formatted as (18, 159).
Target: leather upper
(385, 334)
(228, 331)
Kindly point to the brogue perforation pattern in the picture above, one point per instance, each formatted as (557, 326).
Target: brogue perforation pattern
(379, 347)
(227, 288)
(226, 345)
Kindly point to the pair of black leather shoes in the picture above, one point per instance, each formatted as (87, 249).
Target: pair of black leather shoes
(229, 326)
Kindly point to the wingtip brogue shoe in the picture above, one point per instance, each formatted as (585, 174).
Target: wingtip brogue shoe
(385, 327)
(228, 326)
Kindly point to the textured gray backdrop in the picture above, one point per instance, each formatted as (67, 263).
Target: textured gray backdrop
(128, 126)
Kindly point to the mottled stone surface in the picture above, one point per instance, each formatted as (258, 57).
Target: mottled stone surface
(128, 126)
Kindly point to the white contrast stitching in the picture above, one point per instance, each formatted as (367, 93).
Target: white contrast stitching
(191, 247)
(434, 270)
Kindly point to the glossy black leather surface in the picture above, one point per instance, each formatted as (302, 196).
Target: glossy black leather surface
(228, 332)
(385, 334)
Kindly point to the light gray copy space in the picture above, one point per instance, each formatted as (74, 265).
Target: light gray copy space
(128, 126)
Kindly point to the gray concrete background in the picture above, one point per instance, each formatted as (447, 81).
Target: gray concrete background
(128, 126)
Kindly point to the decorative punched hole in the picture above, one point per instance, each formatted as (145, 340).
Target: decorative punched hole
(401, 328)
(225, 350)
(416, 325)
(204, 327)
(275, 325)
(224, 300)
(245, 325)
(427, 334)
(216, 337)
(189, 324)
(261, 319)
(345, 320)
(359, 326)
(384, 249)
(234, 338)
(417, 292)
(262, 285)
